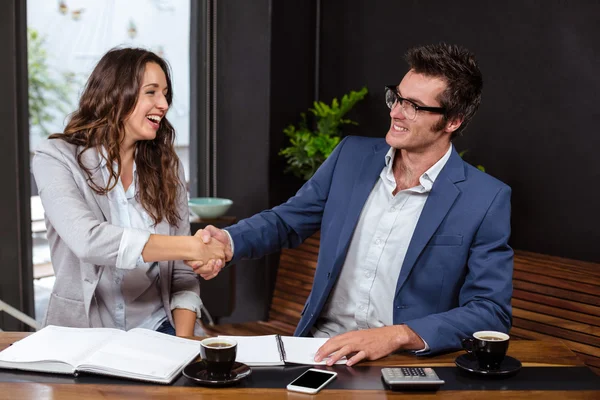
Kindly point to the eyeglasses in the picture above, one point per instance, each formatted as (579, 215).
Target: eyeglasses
(409, 108)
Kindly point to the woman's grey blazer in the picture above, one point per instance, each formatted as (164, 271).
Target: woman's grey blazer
(82, 240)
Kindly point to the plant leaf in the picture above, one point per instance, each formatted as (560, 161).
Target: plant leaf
(308, 149)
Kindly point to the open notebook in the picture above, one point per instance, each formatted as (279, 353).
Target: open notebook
(278, 350)
(139, 354)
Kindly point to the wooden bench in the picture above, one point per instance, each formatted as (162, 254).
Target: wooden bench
(553, 298)
(557, 297)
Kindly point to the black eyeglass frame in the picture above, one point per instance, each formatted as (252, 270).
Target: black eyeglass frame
(394, 90)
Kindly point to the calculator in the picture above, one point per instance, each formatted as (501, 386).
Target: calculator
(405, 378)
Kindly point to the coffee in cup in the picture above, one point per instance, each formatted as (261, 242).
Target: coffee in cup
(488, 347)
(219, 355)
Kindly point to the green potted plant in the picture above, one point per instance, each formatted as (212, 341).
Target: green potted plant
(309, 148)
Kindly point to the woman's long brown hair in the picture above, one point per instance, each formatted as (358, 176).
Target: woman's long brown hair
(109, 97)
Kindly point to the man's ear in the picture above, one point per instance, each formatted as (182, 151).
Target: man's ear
(453, 124)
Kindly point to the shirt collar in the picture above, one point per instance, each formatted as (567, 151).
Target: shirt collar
(429, 176)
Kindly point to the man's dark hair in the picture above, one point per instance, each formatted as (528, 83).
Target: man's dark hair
(458, 68)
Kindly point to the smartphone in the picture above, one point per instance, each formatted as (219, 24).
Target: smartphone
(312, 381)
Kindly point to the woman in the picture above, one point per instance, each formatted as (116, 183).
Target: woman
(116, 206)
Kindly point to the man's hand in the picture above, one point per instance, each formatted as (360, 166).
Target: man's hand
(370, 344)
(209, 257)
(211, 269)
(219, 234)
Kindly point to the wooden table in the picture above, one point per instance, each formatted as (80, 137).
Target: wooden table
(531, 353)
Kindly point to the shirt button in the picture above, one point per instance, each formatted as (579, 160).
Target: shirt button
(392, 209)
(361, 307)
(119, 306)
(367, 274)
(378, 242)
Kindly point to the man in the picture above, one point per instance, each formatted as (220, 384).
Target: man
(414, 253)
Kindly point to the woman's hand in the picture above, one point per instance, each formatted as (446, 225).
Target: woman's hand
(211, 257)
(211, 269)
(207, 251)
(211, 232)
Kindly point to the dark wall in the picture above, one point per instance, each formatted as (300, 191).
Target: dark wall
(536, 129)
(292, 89)
(292, 84)
(243, 54)
(265, 80)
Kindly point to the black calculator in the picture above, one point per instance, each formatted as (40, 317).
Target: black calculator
(406, 378)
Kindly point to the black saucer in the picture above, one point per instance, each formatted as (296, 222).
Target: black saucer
(198, 373)
(508, 367)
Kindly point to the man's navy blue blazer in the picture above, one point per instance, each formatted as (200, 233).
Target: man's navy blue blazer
(456, 278)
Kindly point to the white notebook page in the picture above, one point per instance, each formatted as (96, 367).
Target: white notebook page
(257, 350)
(302, 350)
(263, 350)
(130, 354)
(56, 343)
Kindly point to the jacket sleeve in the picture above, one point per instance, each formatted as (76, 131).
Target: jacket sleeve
(287, 225)
(90, 239)
(484, 299)
(185, 285)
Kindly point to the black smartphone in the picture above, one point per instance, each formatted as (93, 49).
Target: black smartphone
(311, 381)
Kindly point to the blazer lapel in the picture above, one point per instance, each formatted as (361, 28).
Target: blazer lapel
(92, 161)
(370, 171)
(440, 200)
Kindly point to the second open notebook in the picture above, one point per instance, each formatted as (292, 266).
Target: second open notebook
(140, 354)
(278, 350)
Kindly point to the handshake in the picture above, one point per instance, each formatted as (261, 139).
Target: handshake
(214, 252)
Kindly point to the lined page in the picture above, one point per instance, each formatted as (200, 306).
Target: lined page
(143, 354)
(257, 350)
(302, 350)
(54, 344)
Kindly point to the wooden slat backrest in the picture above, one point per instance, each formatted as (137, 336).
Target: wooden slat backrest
(294, 281)
(556, 297)
(553, 298)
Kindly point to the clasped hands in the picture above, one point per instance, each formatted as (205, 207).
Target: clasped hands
(218, 249)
